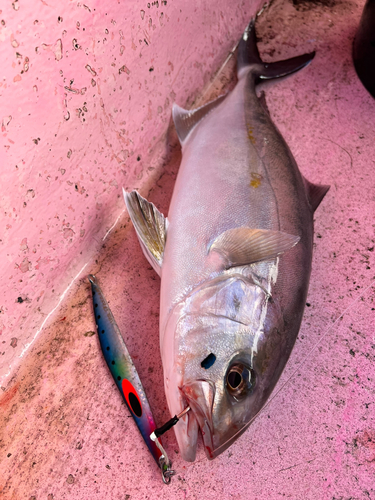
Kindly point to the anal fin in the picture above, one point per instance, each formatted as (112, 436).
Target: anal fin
(150, 225)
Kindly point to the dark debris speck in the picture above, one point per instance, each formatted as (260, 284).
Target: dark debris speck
(70, 479)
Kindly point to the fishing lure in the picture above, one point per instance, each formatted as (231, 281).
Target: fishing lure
(126, 377)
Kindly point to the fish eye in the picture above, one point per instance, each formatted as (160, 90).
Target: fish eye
(240, 379)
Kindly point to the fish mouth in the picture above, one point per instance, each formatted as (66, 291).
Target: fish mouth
(186, 430)
(200, 395)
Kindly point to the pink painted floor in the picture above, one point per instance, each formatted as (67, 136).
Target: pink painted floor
(65, 432)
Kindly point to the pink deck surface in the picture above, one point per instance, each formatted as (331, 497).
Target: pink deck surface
(114, 71)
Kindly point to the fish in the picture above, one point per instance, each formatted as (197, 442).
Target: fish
(126, 377)
(234, 256)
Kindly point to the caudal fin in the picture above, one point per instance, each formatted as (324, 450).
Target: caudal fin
(248, 55)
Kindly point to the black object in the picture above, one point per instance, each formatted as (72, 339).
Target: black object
(168, 425)
(164, 428)
(364, 47)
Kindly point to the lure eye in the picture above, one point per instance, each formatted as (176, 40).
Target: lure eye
(240, 380)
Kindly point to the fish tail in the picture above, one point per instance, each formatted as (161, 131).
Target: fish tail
(248, 56)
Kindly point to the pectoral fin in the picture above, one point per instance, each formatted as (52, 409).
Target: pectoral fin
(150, 225)
(185, 120)
(243, 245)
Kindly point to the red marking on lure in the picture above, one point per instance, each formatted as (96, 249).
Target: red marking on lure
(132, 398)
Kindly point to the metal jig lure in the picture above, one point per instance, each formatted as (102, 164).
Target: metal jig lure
(126, 377)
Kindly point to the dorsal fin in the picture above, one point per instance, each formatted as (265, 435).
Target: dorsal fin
(185, 120)
(315, 193)
(150, 225)
(244, 245)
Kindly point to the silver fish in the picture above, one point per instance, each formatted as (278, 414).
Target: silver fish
(234, 258)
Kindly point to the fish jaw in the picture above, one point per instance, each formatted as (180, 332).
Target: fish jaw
(186, 430)
(200, 396)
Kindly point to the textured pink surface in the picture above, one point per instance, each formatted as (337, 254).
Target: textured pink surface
(86, 93)
(64, 431)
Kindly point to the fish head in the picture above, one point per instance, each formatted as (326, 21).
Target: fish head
(228, 350)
